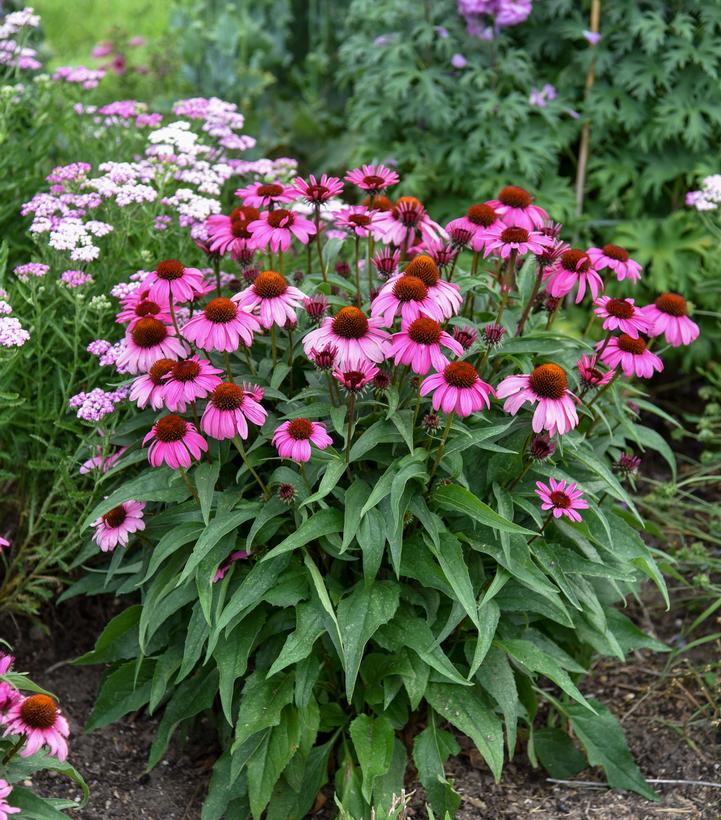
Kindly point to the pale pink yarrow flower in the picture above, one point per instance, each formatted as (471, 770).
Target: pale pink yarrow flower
(117, 524)
(174, 441)
(187, 381)
(148, 341)
(317, 191)
(621, 314)
(631, 354)
(263, 194)
(221, 325)
(372, 178)
(275, 300)
(546, 384)
(39, 719)
(515, 206)
(561, 498)
(172, 280)
(228, 410)
(669, 315)
(573, 268)
(404, 296)
(618, 260)
(276, 229)
(418, 345)
(458, 389)
(293, 438)
(355, 337)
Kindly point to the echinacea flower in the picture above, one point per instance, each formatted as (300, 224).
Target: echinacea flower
(628, 465)
(6, 661)
(418, 345)
(477, 224)
(458, 389)
(493, 335)
(134, 309)
(147, 342)
(573, 268)
(621, 314)
(399, 225)
(173, 441)
(546, 384)
(4, 544)
(386, 262)
(355, 337)
(263, 194)
(231, 233)
(293, 438)
(9, 695)
(618, 260)
(440, 252)
(561, 498)
(222, 571)
(503, 240)
(276, 229)
(115, 526)
(148, 388)
(317, 191)
(632, 354)
(274, 298)
(5, 808)
(669, 315)
(222, 325)
(406, 296)
(188, 380)
(355, 380)
(357, 219)
(372, 178)
(515, 206)
(541, 447)
(39, 719)
(316, 307)
(172, 280)
(591, 376)
(228, 409)
(466, 336)
(447, 295)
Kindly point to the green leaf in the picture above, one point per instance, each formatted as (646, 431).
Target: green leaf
(309, 627)
(270, 510)
(205, 475)
(231, 658)
(431, 748)
(360, 614)
(124, 690)
(371, 537)
(496, 677)
(453, 564)
(651, 440)
(22, 768)
(219, 527)
(382, 432)
(324, 522)
(333, 471)
(599, 467)
(36, 807)
(266, 764)
(488, 617)
(261, 703)
(355, 497)
(262, 577)
(373, 743)
(557, 753)
(458, 499)
(325, 602)
(118, 641)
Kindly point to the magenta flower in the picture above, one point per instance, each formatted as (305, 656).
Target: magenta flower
(171, 279)
(458, 389)
(39, 719)
(618, 260)
(355, 380)
(187, 381)
(546, 384)
(503, 240)
(669, 315)
(136, 307)
(231, 233)
(357, 219)
(255, 391)
(228, 409)
(446, 295)
(147, 342)
(4, 544)
(274, 298)
(590, 375)
(621, 314)
(317, 191)
(632, 354)
(263, 194)
(293, 439)
(418, 345)
(316, 307)
(276, 229)
(221, 572)
(386, 262)
(475, 228)
(372, 178)
(573, 268)
(148, 388)
(173, 441)
(441, 252)
(515, 206)
(562, 499)
(399, 225)
(115, 526)
(406, 296)
(355, 337)
(222, 325)
(5, 808)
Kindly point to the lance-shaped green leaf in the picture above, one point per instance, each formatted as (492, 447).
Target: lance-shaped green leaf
(324, 522)
(373, 743)
(458, 499)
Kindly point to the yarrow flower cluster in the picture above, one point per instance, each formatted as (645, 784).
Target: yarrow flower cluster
(708, 197)
(96, 404)
(484, 17)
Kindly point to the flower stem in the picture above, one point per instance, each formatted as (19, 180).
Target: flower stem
(318, 245)
(248, 359)
(356, 272)
(441, 445)
(189, 484)
(543, 527)
(273, 345)
(228, 371)
(531, 299)
(303, 473)
(14, 750)
(172, 315)
(239, 447)
(349, 434)
(216, 270)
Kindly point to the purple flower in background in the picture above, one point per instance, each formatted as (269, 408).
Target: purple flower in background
(458, 61)
(441, 31)
(540, 98)
(478, 13)
(593, 37)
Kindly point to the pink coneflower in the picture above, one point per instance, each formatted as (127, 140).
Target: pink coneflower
(541, 447)
(293, 439)
(547, 385)
(621, 314)
(406, 296)
(399, 226)
(466, 336)
(355, 337)
(563, 499)
(228, 409)
(386, 262)
(590, 375)
(276, 229)
(255, 391)
(618, 260)
(274, 298)
(187, 381)
(475, 228)
(263, 194)
(669, 315)
(632, 354)
(134, 309)
(4, 544)
(171, 279)
(419, 346)
(316, 307)
(357, 219)
(493, 335)
(222, 325)
(115, 526)
(286, 493)
(317, 191)
(459, 389)
(503, 240)
(101, 462)
(515, 206)
(372, 178)
(147, 342)
(5, 808)
(447, 295)
(442, 253)
(174, 441)
(231, 233)
(324, 359)
(222, 571)
(148, 388)
(574, 267)
(354, 380)
(39, 719)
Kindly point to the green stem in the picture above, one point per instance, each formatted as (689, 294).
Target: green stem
(441, 445)
(531, 299)
(14, 750)
(239, 447)
(274, 350)
(318, 245)
(356, 272)
(189, 484)
(248, 359)
(349, 434)
(543, 527)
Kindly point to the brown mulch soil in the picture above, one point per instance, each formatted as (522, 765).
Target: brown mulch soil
(671, 722)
